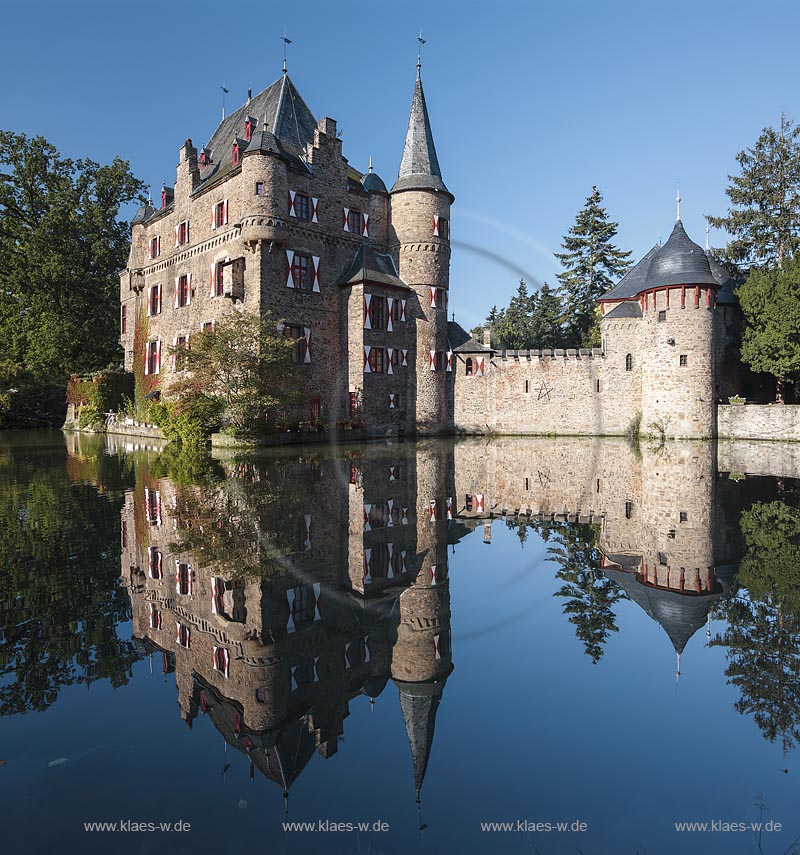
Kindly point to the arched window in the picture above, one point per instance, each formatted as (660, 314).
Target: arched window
(468, 366)
(628, 362)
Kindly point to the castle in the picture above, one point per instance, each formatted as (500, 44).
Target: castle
(270, 218)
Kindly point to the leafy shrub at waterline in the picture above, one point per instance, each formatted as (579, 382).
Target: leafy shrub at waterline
(101, 393)
(189, 420)
(26, 401)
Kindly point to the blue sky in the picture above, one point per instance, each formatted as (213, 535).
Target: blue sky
(531, 103)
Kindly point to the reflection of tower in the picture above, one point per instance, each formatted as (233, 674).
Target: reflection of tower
(421, 658)
(674, 578)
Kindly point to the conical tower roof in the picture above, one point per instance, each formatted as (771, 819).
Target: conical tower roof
(419, 703)
(679, 262)
(419, 168)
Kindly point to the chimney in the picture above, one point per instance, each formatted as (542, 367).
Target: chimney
(487, 336)
(249, 95)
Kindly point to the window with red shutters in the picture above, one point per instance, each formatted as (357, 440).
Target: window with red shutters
(444, 228)
(297, 333)
(218, 279)
(183, 290)
(354, 222)
(155, 247)
(377, 360)
(377, 312)
(219, 214)
(151, 357)
(155, 299)
(183, 232)
(235, 153)
(184, 582)
(302, 272)
(302, 207)
(181, 348)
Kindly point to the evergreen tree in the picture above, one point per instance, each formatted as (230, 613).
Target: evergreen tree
(513, 324)
(61, 247)
(765, 215)
(770, 301)
(546, 319)
(591, 263)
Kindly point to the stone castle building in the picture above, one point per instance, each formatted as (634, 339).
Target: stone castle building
(269, 217)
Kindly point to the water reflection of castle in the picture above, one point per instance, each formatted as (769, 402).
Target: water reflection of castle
(354, 593)
(282, 593)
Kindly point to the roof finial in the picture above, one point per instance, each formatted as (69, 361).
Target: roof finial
(285, 43)
(224, 93)
(419, 52)
(708, 248)
(678, 671)
(370, 164)
(678, 200)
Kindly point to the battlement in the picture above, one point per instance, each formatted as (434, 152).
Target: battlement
(553, 353)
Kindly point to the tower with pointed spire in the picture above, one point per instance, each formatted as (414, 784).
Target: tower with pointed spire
(420, 238)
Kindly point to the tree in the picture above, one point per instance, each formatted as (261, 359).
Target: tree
(765, 215)
(591, 263)
(530, 321)
(246, 365)
(61, 247)
(770, 301)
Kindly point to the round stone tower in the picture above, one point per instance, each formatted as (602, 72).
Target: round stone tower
(677, 301)
(420, 237)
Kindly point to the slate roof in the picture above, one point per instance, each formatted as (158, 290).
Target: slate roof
(628, 309)
(633, 282)
(419, 167)
(679, 262)
(462, 342)
(143, 214)
(373, 183)
(287, 116)
(374, 267)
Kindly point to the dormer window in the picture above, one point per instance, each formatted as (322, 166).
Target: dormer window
(205, 157)
(249, 127)
(236, 153)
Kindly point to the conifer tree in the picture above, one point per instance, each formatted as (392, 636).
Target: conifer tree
(591, 264)
(764, 218)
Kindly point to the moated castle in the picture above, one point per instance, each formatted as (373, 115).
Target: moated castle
(269, 217)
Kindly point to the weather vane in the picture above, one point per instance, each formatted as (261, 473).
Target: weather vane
(419, 50)
(285, 43)
(224, 93)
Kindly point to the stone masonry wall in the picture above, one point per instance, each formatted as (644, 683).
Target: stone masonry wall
(759, 421)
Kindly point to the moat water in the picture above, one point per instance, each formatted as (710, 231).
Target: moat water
(424, 638)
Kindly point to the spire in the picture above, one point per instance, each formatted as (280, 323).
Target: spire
(419, 703)
(285, 43)
(419, 168)
(678, 200)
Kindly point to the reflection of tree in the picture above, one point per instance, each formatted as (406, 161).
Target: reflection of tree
(59, 599)
(763, 633)
(590, 596)
(763, 652)
(243, 523)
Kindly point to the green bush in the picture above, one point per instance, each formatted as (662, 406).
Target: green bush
(189, 420)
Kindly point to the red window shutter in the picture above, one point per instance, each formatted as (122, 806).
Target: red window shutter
(367, 369)
(435, 225)
(365, 229)
(345, 223)
(315, 273)
(176, 292)
(292, 212)
(188, 288)
(449, 360)
(433, 298)
(147, 365)
(213, 280)
(158, 356)
(367, 322)
(314, 216)
(214, 216)
(225, 213)
(432, 359)
(307, 353)
(289, 261)
(389, 313)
